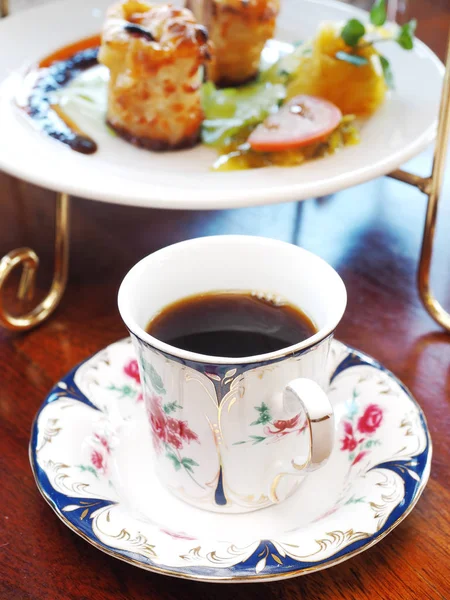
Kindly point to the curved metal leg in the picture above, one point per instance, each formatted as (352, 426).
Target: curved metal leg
(4, 8)
(440, 315)
(29, 260)
(432, 187)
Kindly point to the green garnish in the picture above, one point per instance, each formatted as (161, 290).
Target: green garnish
(405, 37)
(230, 110)
(378, 13)
(354, 31)
(387, 72)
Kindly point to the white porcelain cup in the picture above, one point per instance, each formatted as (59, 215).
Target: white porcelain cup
(235, 434)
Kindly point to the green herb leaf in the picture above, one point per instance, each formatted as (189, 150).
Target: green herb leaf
(405, 36)
(353, 59)
(352, 32)
(378, 13)
(387, 72)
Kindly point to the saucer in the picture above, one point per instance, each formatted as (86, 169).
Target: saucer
(90, 451)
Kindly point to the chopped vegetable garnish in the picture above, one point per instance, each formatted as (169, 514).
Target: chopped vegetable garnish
(354, 31)
(300, 122)
(229, 110)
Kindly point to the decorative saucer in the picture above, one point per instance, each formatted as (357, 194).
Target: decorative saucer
(90, 453)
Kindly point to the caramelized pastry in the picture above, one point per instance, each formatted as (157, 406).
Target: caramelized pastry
(239, 30)
(154, 53)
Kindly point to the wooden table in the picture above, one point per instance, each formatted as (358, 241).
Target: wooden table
(371, 234)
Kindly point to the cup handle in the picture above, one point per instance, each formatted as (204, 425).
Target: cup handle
(307, 395)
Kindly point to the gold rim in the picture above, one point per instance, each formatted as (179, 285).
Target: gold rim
(269, 576)
(231, 579)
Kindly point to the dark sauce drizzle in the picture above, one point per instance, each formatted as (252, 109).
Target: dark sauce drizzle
(39, 106)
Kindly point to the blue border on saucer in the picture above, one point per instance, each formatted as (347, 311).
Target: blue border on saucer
(414, 477)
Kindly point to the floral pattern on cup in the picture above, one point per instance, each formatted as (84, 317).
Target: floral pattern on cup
(133, 388)
(358, 432)
(273, 430)
(170, 434)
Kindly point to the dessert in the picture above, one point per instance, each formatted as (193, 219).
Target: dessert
(239, 30)
(154, 54)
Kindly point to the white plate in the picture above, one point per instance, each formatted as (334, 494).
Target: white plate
(90, 452)
(120, 173)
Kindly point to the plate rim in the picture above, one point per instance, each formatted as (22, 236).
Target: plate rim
(217, 197)
(248, 578)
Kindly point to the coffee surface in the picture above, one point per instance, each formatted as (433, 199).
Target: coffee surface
(231, 324)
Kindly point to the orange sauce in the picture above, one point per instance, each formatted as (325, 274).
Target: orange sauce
(68, 51)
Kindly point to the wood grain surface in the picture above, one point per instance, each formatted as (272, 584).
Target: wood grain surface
(371, 234)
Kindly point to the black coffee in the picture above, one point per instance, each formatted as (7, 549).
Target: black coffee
(233, 324)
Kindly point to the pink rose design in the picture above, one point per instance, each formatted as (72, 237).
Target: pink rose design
(282, 426)
(97, 460)
(371, 419)
(186, 433)
(174, 440)
(103, 441)
(166, 429)
(349, 442)
(181, 429)
(178, 536)
(359, 457)
(328, 513)
(288, 424)
(132, 370)
(158, 421)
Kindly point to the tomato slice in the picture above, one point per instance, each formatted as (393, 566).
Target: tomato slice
(300, 122)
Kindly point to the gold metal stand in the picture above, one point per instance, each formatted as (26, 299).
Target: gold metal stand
(29, 261)
(431, 186)
(4, 8)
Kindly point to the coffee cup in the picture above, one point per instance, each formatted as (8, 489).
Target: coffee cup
(234, 435)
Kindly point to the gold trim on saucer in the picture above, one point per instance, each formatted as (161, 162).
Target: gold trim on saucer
(229, 579)
(339, 538)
